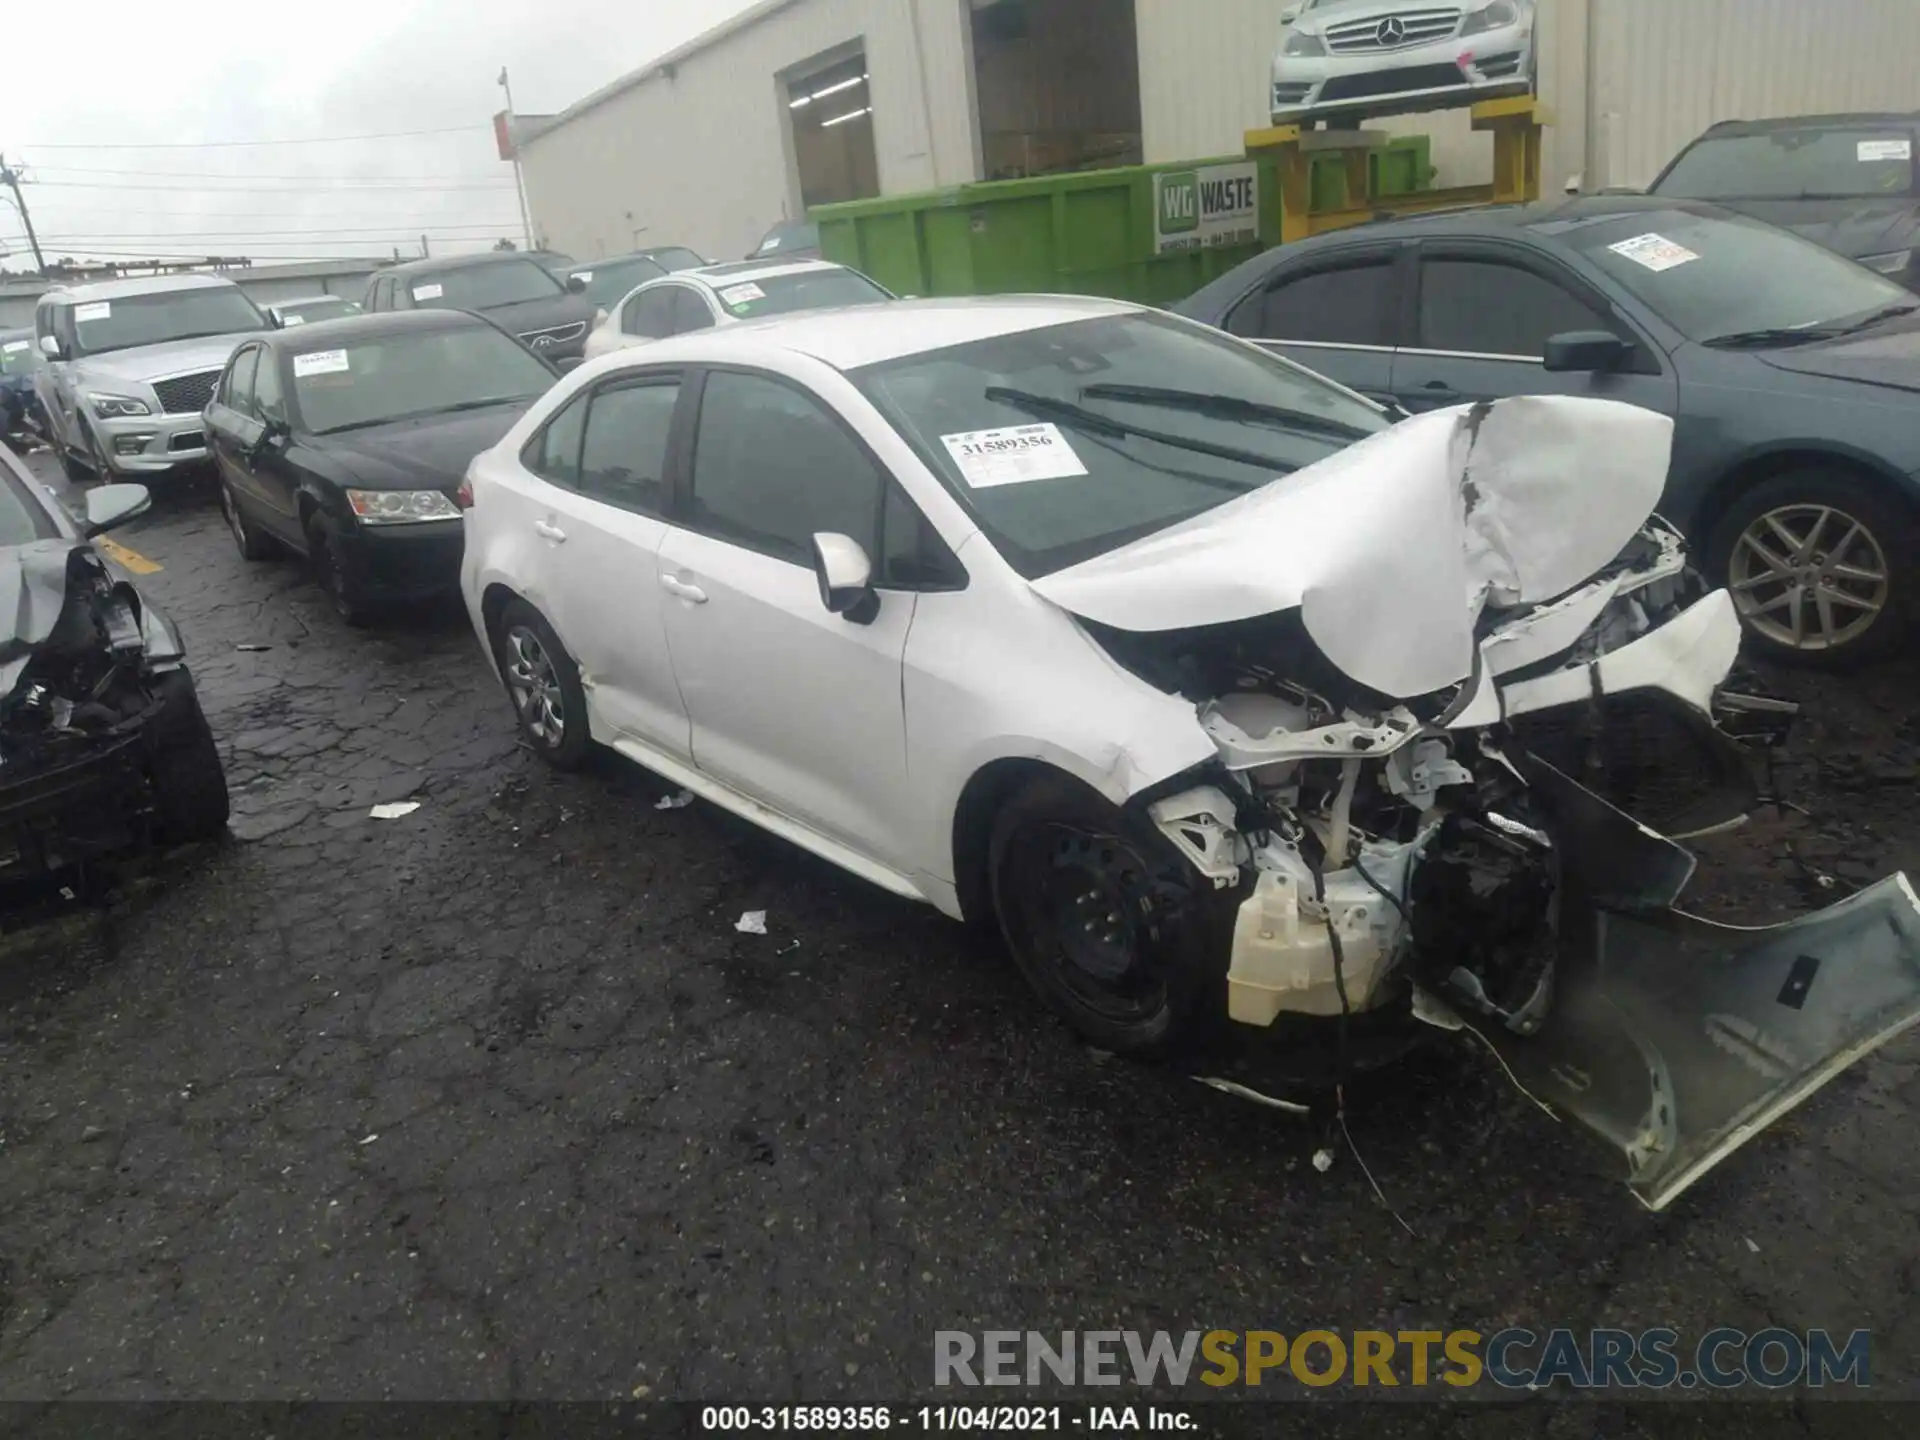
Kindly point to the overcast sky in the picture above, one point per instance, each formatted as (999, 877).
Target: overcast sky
(119, 73)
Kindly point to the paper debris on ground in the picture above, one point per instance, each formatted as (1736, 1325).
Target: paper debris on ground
(1234, 1087)
(1323, 1160)
(252, 649)
(752, 922)
(674, 802)
(394, 810)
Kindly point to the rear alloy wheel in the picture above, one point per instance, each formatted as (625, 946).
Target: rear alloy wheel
(1816, 565)
(253, 545)
(544, 685)
(330, 572)
(1108, 923)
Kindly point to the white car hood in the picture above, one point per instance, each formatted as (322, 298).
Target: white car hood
(1391, 548)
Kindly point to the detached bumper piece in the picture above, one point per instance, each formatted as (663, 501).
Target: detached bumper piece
(1676, 1040)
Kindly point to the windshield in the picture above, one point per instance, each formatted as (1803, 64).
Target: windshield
(1050, 489)
(1714, 275)
(16, 352)
(1795, 164)
(676, 257)
(22, 521)
(399, 377)
(803, 290)
(306, 312)
(608, 280)
(793, 235)
(130, 320)
(481, 287)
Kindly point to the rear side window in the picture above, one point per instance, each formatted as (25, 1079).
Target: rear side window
(690, 312)
(554, 454)
(624, 458)
(1340, 305)
(1491, 308)
(770, 469)
(648, 314)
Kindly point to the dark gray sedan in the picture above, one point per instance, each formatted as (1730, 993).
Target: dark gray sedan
(1792, 375)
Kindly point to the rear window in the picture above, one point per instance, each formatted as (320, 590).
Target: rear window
(608, 280)
(1850, 164)
(802, 290)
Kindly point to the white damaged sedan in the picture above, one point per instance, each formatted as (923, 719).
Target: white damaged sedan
(1235, 708)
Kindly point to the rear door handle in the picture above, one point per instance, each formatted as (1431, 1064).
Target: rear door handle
(1438, 390)
(691, 593)
(551, 532)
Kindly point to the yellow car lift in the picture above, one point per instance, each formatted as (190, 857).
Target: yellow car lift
(1515, 125)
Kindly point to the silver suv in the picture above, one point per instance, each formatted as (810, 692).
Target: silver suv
(126, 367)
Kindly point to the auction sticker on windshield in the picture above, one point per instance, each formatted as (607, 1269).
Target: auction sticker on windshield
(98, 310)
(1867, 151)
(427, 292)
(1012, 455)
(739, 295)
(319, 362)
(1656, 252)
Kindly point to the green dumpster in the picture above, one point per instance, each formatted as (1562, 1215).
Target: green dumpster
(1148, 233)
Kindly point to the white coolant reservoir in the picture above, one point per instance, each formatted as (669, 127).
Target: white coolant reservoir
(1283, 958)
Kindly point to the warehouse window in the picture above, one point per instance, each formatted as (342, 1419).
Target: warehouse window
(1057, 85)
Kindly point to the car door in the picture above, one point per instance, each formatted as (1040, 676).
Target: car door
(791, 704)
(233, 429)
(1335, 311)
(1482, 315)
(271, 468)
(596, 487)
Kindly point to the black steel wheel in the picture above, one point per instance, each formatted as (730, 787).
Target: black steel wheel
(331, 573)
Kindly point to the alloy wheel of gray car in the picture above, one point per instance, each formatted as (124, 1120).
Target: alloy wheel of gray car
(1809, 577)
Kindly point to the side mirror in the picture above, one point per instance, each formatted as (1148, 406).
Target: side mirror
(576, 286)
(51, 347)
(1584, 350)
(846, 577)
(1289, 15)
(112, 505)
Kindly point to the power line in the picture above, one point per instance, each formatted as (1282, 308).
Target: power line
(251, 144)
(401, 189)
(77, 237)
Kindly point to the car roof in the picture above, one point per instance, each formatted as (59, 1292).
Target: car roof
(1495, 219)
(869, 334)
(1777, 123)
(294, 300)
(142, 285)
(326, 334)
(738, 272)
(435, 264)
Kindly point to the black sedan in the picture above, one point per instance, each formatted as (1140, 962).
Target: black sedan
(1846, 181)
(1792, 375)
(346, 441)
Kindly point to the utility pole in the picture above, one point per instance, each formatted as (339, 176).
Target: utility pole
(425, 253)
(519, 180)
(11, 179)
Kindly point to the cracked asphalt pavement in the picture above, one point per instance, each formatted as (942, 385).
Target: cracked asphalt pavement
(493, 1100)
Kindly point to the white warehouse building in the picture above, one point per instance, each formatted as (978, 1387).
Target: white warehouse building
(795, 103)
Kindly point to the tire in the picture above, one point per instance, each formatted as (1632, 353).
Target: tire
(1757, 550)
(253, 545)
(543, 686)
(331, 575)
(1108, 923)
(189, 783)
(77, 471)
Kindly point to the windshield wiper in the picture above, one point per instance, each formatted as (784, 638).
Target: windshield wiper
(1772, 338)
(1885, 312)
(1225, 407)
(424, 414)
(1093, 422)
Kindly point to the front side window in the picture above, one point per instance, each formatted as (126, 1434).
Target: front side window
(799, 290)
(1489, 307)
(127, 321)
(1724, 277)
(1816, 164)
(1068, 441)
(1340, 305)
(554, 453)
(482, 287)
(771, 469)
(649, 315)
(623, 459)
(411, 374)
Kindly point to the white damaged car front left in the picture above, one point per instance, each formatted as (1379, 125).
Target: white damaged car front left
(1238, 710)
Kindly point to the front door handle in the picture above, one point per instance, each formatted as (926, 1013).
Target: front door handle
(690, 593)
(548, 531)
(1438, 390)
